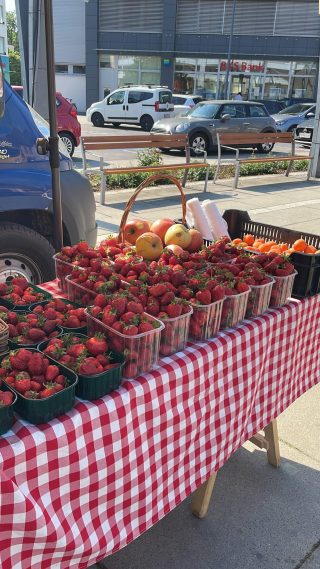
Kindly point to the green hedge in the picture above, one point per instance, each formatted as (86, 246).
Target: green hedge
(154, 158)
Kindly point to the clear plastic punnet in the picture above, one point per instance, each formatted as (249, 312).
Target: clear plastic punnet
(175, 334)
(282, 289)
(259, 298)
(205, 320)
(63, 270)
(79, 294)
(234, 309)
(141, 351)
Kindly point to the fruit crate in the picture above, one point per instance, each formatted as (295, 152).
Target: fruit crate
(259, 298)
(8, 304)
(141, 351)
(63, 270)
(307, 282)
(6, 413)
(4, 336)
(79, 330)
(234, 309)
(282, 290)
(38, 411)
(16, 346)
(175, 334)
(79, 294)
(205, 320)
(92, 387)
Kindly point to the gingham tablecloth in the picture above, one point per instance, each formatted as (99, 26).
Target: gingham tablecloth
(85, 485)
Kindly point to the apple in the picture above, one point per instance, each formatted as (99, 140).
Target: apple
(196, 241)
(134, 228)
(176, 249)
(178, 234)
(149, 246)
(161, 226)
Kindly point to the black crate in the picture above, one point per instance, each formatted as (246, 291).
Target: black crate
(307, 281)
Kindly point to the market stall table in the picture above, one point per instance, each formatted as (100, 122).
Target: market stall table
(86, 484)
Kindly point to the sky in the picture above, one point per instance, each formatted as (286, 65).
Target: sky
(10, 5)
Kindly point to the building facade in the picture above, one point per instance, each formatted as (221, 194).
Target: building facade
(4, 40)
(275, 47)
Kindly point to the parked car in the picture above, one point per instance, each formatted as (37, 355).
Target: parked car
(289, 118)
(289, 101)
(272, 105)
(136, 104)
(209, 117)
(26, 221)
(68, 126)
(182, 103)
(304, 132)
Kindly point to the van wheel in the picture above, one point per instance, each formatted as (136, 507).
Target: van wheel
(25, 253)
(68, 141)
(97, 119)
(146, 123)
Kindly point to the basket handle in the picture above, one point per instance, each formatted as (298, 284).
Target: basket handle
(144, 184)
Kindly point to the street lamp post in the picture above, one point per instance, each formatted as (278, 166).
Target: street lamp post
(226, 85)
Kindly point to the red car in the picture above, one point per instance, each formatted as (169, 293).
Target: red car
(68, 126)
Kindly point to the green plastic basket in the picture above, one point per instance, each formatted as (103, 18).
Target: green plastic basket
(12, 306)
(93, 387)
(38, 411)
(6, 413)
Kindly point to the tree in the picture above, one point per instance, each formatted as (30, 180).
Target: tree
(14, 55)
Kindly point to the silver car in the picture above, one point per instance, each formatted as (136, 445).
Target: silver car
(304, 132)
(289, 118)
(209, 117)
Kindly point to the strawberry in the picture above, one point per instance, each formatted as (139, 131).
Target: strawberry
(100, 300)
(135, 307)
(130, 330)
(16, 361)
(60, 379)
(242, 287)
(52, 372)
(36, 364)
(96, 345)
(36, 335)
(34, 385)
(49, 389)
(72, 322)
(109, 316)
(157, 290)
(128, 317)
(119, 304)
(90, 366)
(6, 398)
(167, 298)
(203, 296)
(174, 309)
(22, 382)
(153, 306)
(217, 293)
(144, 327)
(118, 326)
(76, 350)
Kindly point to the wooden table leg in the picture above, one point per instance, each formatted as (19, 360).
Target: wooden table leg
(201, 497)
(273, 452)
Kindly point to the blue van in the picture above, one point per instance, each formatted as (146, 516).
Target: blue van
(26, 223)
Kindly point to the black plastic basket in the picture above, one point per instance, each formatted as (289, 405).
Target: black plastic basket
(6, 413)
(38, 411)
(12, 306)
(93, 387)
(307, 281)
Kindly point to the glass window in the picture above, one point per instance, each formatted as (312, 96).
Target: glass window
(152, 63)
(207, 86)
(278, 67)
(79, 69)
(1, 15)
(1, 45)
(128, 61)
(184, 83)
(304, 68)
(116, 98)
(165, 97)
(178, 100)
(138, 96)
(276, 87)
(128, 78)
(205, 110)
(185, 64)
(212, 65)
(257, 111)
(296, 109)
(150, 78)
(61, 69)
(235, 111)
(303, 87)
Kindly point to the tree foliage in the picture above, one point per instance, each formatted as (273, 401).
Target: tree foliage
(14, 55)
(12, 31)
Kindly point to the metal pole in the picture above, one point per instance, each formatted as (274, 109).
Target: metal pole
(53, 138)
(315, 146)
(226, 85)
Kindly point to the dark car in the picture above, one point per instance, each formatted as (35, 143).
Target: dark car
(26, 221)
(68, 126)
(288, 101)
(273, 106)
(209, 117)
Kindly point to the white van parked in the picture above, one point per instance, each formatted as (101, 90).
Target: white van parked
(135, 104)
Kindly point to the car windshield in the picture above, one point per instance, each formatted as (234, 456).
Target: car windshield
(204, 111)
(295, 109)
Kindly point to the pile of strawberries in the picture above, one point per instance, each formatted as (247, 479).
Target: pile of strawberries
(92, 283)
(32, 374)
(86, 356)
(20, 293)
(27, 328)
(62, 313)
(6, 398)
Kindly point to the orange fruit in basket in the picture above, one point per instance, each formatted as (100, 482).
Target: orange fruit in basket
(276, 249)
(237, 241)
(310, 249)
(300, 245)
(283, 246)
(248, 239)
(265, 247)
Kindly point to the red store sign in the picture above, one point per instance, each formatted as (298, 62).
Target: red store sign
(242, 66)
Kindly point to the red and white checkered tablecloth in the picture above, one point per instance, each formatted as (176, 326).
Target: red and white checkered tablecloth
(85, 485)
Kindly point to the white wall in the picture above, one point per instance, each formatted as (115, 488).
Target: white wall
(69, 31)
(73, 87)
(3, 27)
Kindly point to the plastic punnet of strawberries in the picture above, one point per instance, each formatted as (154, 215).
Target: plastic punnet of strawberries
(62, 313)
(32, 374)
(27, 328)
(20, 293)
(84, 355)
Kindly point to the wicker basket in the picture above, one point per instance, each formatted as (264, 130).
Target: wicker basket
(4, 336)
